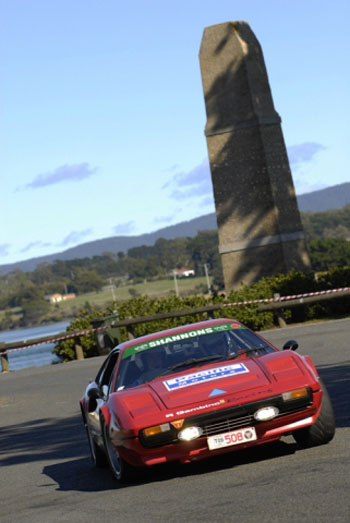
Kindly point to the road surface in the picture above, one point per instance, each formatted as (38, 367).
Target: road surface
(46, 474)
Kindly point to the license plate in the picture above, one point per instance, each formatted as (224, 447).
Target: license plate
(235, 437)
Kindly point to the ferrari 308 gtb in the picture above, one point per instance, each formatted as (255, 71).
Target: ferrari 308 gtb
(201, 390)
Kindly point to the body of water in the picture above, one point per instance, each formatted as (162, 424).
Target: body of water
(33, 356)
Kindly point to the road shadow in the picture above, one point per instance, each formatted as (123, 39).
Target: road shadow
(42, 439)
(80, 475)
(337, 380)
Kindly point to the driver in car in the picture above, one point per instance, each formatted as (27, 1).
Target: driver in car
(153, 363)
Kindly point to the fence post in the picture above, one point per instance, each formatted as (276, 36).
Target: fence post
(280, 314)
(79, 354)
(130, 332)
(4, 359)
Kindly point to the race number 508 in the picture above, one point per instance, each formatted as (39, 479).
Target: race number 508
(233, 438)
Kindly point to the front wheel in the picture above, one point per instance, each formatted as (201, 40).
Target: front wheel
(322, 431)
(98, 457)
(120, 469)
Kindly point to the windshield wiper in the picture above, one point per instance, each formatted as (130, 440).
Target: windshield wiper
(191, 362)
(246, 351)
(194, 361)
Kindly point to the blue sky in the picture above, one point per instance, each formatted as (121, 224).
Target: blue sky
(102, 111)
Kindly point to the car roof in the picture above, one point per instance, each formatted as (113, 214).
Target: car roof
(175, 330)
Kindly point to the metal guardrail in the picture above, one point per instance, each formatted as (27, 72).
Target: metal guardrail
(276, 304)
(280, 304)
(5, 348)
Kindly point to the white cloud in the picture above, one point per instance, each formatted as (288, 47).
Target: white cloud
(208, 201)
(65, 173)
(303, 153)
(4, 248)
(196, 182)
(164, 219)
(124, 228)
(75, 237)
(33, 245)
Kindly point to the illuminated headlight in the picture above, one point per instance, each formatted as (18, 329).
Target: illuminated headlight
(156, 429)
(295, 394)
(190, 433)
(266, 413)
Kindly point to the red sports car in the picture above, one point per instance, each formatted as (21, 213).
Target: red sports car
(201, 390)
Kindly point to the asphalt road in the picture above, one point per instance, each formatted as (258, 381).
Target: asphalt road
(46, 474)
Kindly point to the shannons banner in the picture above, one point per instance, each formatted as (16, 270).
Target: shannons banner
(158, 342)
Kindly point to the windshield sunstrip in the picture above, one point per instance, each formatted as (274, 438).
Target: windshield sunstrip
(158, 342)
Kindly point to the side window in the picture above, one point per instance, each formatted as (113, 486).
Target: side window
(105, 375)
(101, 371)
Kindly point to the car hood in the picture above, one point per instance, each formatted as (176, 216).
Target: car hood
(198, 384)
(217, 385)
(231, 378)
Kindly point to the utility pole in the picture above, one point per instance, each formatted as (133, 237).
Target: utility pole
(207, 276)
(175, 283)
(112, 288)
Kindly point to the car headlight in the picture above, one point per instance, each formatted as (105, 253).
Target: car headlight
(266, 413)
(295, 394)
(190, 433)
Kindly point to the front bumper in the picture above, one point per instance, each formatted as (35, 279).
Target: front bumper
(292, 416)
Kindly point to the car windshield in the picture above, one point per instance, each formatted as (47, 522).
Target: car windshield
(145, 362)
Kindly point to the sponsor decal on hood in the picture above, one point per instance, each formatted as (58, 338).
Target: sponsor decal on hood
(195, 409)
(205, 375)
(216, 392)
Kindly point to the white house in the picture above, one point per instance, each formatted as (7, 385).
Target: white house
(184, 273)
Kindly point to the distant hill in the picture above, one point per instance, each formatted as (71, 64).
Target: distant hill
(334, 197)
(118, 243)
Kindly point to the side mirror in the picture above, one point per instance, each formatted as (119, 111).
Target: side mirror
(94, 393)
(104, 391)
(291, 345)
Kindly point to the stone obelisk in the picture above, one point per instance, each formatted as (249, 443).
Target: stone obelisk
(259, 225)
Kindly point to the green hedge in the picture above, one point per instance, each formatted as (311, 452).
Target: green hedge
(65, 348)
(284, 284)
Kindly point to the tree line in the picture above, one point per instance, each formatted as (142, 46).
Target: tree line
(29, 290)
(327, 236)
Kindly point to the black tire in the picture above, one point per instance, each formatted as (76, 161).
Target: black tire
(98, 457)
(322, 431)
(121, 470)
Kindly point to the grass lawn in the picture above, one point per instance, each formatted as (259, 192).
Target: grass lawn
(15, 312)
(158, 289)
(105, 298)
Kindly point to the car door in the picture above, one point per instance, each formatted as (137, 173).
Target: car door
(103, 383)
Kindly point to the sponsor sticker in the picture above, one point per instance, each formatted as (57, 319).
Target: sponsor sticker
(205, 375)
(196, 409)
(216, 392)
